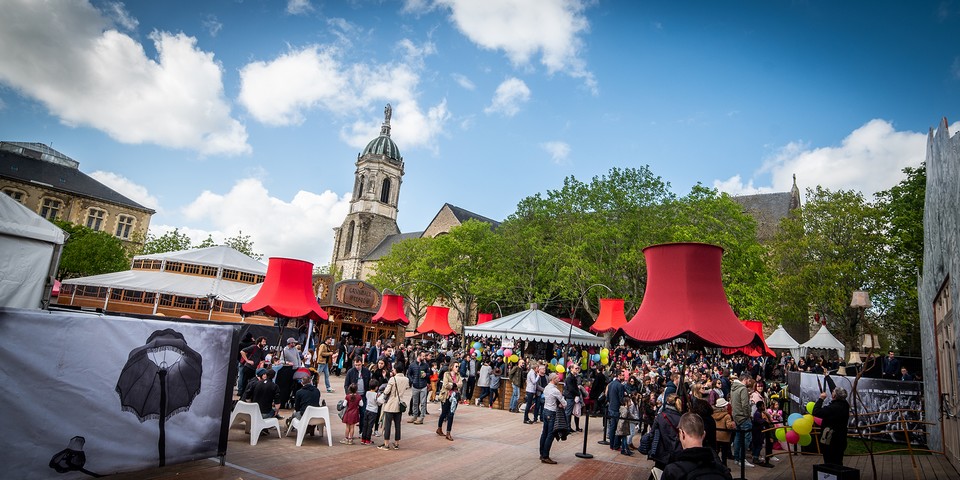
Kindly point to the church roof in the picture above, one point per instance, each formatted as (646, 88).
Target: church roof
(464, 215)
(386, 244)
(46, 167)
(383, 145)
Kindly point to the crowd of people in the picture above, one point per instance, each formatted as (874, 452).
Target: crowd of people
(674, 399)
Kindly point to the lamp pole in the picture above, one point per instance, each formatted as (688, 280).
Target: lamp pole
(498, 307)
(566, 348)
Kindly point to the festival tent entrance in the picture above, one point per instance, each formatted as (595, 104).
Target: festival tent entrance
(534, 325)
(824, 340)
(30, 252)
(781, 340)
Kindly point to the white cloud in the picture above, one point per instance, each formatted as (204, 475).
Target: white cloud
(869, 159)
(508, 97)
(299, 7)
(119, 14)
(95, 76)
(127, 188)
(281, 91)
(463, 81)
(301, 228)
(559, 151)
(525, 28)
(213, 25)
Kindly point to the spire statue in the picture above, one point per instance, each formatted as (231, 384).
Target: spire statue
(387, 113)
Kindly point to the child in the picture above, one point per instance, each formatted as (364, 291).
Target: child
(776, 417)
(351, 417)
(370, 413)
(761, 422)
(379, 402)
(623, 427)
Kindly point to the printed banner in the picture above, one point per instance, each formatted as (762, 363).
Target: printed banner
(876, 395)
(89, 394)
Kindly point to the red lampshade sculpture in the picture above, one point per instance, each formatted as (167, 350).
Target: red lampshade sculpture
(751, 350)
(611, 317)
(436, 321)
(685, 298)
(287, 291)
(391, 310)
(484, 318)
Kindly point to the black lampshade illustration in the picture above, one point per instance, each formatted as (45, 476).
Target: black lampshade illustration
(160, 380)
(72, 458)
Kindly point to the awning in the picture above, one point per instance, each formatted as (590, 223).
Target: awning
(534, 325)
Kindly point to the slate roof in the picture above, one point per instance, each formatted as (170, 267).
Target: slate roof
(464, 215)
(386, 244)
(24, 167)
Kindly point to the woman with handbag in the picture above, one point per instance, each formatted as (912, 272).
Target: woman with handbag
(393, 406)
(452, 381)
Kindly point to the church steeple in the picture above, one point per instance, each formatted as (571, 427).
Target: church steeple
(794, 194)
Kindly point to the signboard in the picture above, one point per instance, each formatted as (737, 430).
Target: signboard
(357, 294)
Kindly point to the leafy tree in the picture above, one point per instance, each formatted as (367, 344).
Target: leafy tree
(172, 241)
(834, 246)
(902, 210)
(243, 244)
(88, 252)
(207, 242)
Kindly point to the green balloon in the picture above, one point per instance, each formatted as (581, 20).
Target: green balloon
(805, 440)
(810, 406)
(781, 434)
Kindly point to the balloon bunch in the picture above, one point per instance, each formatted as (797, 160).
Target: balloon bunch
(798, 428)
(604, 356)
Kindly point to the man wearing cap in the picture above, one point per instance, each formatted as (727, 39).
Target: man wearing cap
(289, 361)
(324, 355)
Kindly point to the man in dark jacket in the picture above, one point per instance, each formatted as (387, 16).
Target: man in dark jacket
(307, 396)
(615, 392)
(667, 423)
(266, 395)
(833, 439)
(360, 376)
(695, 461)
(571, 392)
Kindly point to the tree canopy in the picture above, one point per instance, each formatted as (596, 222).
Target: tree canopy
(89, 252)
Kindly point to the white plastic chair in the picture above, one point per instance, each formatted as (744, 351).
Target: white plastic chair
(255, 421)
(312, 416)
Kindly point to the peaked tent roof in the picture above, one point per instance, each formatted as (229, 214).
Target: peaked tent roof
(16, 220)
(217, 256)
(825, 340)
(534, 325)
(781, 339)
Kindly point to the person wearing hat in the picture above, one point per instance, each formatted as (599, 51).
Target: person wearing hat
(725, 428)
(833, 437)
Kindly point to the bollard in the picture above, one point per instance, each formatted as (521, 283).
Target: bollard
(604, 441)
(586, 431)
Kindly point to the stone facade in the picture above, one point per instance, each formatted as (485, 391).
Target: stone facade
(50, 184)
(941, 272)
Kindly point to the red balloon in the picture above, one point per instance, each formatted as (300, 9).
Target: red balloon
(817, 420)
(793, 437)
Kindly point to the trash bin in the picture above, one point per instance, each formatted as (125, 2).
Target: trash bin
(835, 472)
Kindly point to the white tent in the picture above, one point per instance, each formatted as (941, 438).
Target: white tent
(534, 325)
(29, 254)
(780, 339)
(824, 340)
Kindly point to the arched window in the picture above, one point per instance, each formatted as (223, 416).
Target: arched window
(385, 191)
(359, 192)
(349, 245)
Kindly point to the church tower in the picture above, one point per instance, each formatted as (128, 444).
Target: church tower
(373, 208)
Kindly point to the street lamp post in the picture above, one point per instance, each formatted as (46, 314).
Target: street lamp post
(566, 347)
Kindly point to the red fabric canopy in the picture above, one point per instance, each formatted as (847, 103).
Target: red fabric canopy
(287, 291)
(685, 297)
(436, 321)
(611, 317)
(391, 310)
(751, 350)
(484, 318)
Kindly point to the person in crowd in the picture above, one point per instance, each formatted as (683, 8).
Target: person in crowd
(694, 461)
(698, 404)
(762, 443)
(725, 428)
(351, 417)
(835, 416)
(571, 391)
(742, 415)
(516, 374)
(597, 388)
(434, 378)
(905, 375)
(289, 361)
(483, 381)
(324, 359)
(553, 402)
(419, 374)
(623, 427)
(375, 351)
(890, 366)
(396, 388)
(380, 372)
(307, 396)
(251, 359)
(370, 413)
(452, 381)
(359, 376)
(615, 391)
(266, 395)
(533, 378)
(495, 385)
(667, 423)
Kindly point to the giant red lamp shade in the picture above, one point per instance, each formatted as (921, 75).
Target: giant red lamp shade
(436, 321)
(391, 310)
(611, 317)
(685, 298)
(484, 318)
(752, 350)
(287, 291)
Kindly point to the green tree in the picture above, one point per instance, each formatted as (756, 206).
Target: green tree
(172, 241)
(243, 244)
(824, 252)
(902, 210)
(88, 252)
(207, 242)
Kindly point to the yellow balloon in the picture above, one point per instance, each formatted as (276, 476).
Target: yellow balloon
(604, 360)
(803, 426)
(560, 369)
(604, 352)
(514, 358)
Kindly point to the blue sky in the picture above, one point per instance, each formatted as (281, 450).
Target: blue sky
(230, 116)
